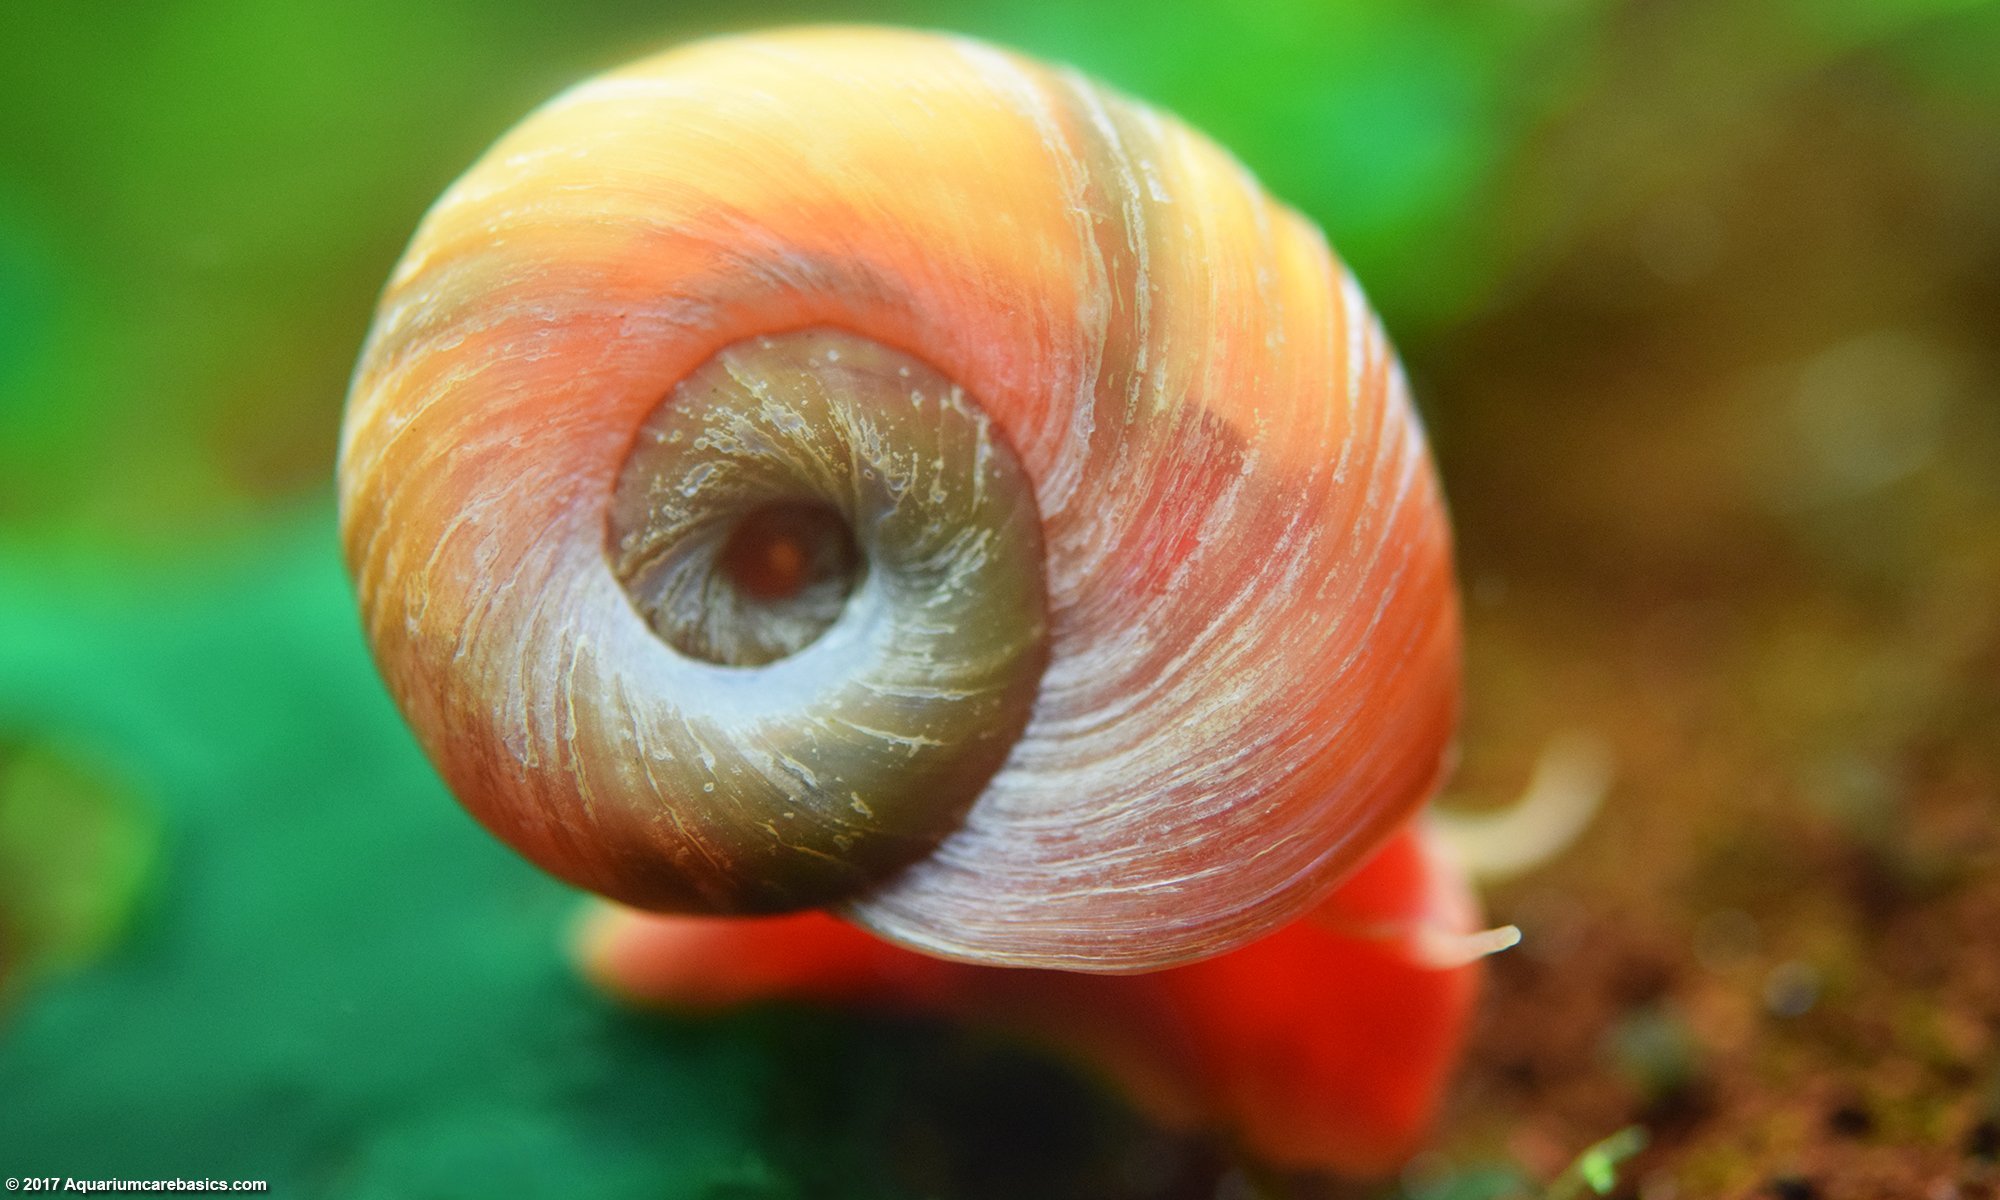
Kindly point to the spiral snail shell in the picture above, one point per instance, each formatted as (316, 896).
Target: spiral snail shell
(870, 469)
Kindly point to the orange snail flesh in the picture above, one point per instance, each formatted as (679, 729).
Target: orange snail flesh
(871, 470)
(1325, 1047)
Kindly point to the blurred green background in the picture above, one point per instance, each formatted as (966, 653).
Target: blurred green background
(1701, 302)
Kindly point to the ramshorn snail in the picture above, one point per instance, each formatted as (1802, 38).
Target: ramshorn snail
(870, 470)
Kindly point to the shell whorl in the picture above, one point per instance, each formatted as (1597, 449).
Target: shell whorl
(1220, 664)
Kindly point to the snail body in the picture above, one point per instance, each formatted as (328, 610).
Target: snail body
(1325, 1046)
(1098, 611)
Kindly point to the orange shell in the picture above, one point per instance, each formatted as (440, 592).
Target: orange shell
(1253, 640)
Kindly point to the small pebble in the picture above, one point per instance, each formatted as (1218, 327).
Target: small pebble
(1792, 1187)
(1850, 1121)
(1791, 989)
(1982, 1141)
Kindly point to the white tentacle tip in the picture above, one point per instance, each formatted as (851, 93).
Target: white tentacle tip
(1570, 781)
(1447, 950)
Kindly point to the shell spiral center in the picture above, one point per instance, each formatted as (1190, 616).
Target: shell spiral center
(844, 557)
